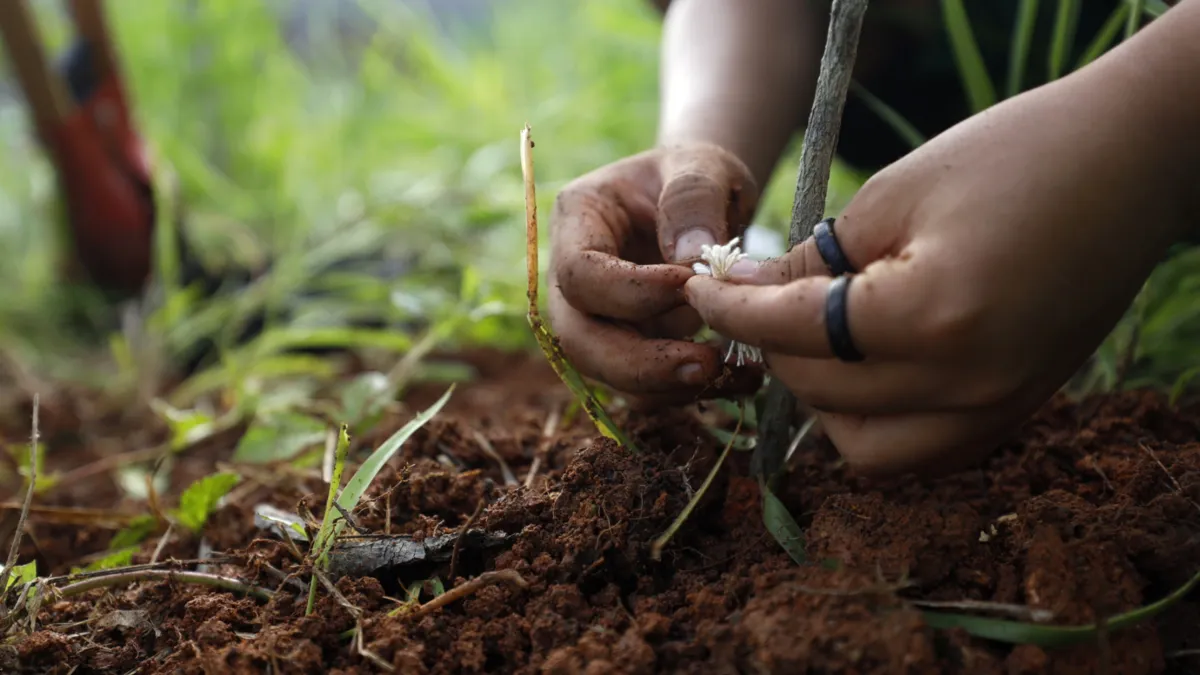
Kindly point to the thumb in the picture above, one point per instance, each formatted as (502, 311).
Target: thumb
(708, 197)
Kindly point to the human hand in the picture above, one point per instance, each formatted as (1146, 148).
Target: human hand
(993, 260)
(620, 237)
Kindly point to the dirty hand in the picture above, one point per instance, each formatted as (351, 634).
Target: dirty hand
(991, 262)
(615, 298)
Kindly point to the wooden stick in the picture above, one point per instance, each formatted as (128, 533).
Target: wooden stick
(812, 185)
(44, 90)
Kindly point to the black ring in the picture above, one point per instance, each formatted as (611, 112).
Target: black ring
(836, 325)
(830, 249)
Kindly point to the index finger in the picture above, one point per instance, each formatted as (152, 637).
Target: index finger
(882, 308)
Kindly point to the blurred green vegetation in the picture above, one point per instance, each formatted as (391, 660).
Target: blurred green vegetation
(409, 149)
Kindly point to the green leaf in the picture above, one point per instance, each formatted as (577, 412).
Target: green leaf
(363, 396)
(1104, 38)
(279, 436)
(1018, 54)
(1181, 384)
(134, 533)
(357, 485)
(201, 497)
(437, 586)
(1044, 635)
(971, 68)
(1154, 8)
(782, 526)
(292, 337)
(889, 115)
(21, 574)
(117, 558)
(187, 426)
(1064, 36)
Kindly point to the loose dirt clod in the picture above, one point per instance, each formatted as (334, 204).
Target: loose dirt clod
(724, 598)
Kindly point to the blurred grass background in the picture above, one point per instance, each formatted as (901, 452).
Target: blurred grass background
(300, 131)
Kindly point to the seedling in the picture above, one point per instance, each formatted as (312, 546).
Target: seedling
(545, 337)
(331, 523)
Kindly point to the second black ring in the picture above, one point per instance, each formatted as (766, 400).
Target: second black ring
(837, 326)
(830, 250)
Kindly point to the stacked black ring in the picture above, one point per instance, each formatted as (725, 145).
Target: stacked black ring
(837, 326)
(830, 249)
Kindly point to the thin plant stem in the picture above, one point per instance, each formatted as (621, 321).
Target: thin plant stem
(213, 580)
(657, 547)
(14, 550)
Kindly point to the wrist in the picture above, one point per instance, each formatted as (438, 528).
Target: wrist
(1152, 85)
(703, 129)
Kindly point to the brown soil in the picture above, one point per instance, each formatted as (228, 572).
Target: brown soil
(1095, 510)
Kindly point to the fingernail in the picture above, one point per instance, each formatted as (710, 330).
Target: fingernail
(744, 270)
(688, 244)
(691, 373)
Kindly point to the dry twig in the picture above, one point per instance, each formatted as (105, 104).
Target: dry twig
(490, 450)
(14, 550)
(1174, 482)
(358, 625)
(162, 543)
(486, 579)
(548, 431)
(1017, 611)
(216, 581)
(462, 535)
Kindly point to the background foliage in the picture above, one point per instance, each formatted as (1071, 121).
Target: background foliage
(301, 132)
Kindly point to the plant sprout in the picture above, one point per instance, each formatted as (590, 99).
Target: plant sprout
(718, 261)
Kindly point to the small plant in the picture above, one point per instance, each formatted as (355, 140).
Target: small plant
(199, 500)
(332, 523)
(545, 337)
(718, 260)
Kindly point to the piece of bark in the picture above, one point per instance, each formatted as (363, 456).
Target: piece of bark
(361, 557)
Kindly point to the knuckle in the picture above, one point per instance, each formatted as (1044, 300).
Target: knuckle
(586, 203)
(692, 187)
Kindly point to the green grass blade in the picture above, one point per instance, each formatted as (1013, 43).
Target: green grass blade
(322, 541)
(783, 526)
(657, 547)
(1018, 55)
(889, 115)
(1181, 384)
(326, 535)
(1064, 36)
(357, 485)
(1134, 17)
(1042, 635)
(980, 90)
(1154, 8)
(285, 339)
(197, 502)
(1104, 38)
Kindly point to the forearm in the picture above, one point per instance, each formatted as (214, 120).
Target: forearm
(740, 74)
(1152, 83)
